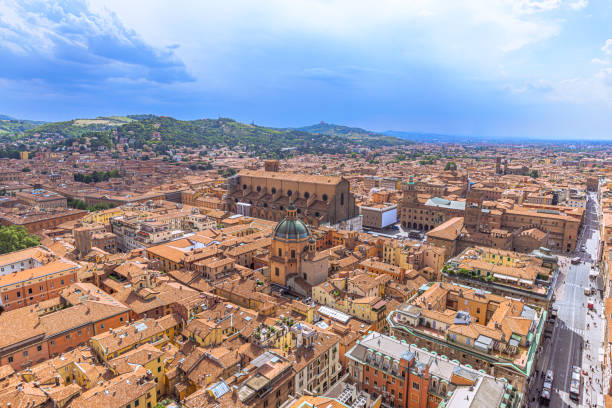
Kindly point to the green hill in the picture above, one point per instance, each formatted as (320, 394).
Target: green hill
(9, 125)
(352, 133)
(163, 133)
(77, 127)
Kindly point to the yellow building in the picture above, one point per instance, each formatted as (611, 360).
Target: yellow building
(116, 342)
(24, 155)
(147, 356)
(102, 217)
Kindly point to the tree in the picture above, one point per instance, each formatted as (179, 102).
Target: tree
(534, 174)
(450, 166)
(15, 238)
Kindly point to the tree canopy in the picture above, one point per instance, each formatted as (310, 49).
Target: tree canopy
(15, 238)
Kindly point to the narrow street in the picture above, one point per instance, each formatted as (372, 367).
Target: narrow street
(576, 335)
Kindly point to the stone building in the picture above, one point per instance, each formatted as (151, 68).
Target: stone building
(294, 260)
(266, 194)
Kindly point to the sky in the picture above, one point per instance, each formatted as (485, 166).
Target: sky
(493, 68)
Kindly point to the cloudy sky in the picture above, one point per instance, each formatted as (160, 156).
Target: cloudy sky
(528, 68)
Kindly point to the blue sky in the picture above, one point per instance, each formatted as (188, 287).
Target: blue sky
(526, 68)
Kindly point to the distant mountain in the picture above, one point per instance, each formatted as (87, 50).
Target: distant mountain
(352, 133)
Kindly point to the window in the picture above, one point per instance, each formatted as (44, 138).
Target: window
(53, 342)
(38, 348)
(121, 319)
(293, 253)
(102, 325)
(273, 190)
(341, 198)
(280, 252)
(62, 282)
(41, 288)
(258, 189)
(159, 369)
(18, 294)
(128, 406)
(276, 271)
(10, 359)
(415, 385)
(289, 192)
(25, 353)
(324, 197)
(306, 195)
(399, 395)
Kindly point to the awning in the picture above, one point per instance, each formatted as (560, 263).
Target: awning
(506, 277)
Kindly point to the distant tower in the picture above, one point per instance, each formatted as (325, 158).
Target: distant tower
(271, 165)
(473, 210)
(410, 193)
(498, 165)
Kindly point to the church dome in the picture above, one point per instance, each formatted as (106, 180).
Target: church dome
(291, 228)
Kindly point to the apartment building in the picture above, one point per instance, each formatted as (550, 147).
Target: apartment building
(42, 199)
(119, 341)
(528, 277)
(406, 376)
(35, 337)
(487, 331)
(34, 285)
(25, 259)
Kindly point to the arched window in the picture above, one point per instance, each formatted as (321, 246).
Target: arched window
(306, 195)
(258, 188)
(341, 198)
(289, 192)
(244, 186)
(293, 253)
(324, 197)
(280, 252)
(282, 208)
(273, 190)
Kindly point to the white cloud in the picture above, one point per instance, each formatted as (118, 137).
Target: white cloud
(578, 4)
(607, 48)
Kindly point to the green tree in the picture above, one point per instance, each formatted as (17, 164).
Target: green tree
(16, 237)
(534, 174)
(450, 166)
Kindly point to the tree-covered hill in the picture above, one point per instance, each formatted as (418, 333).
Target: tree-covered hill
(77, 127)
(352, 133)
(163, 133)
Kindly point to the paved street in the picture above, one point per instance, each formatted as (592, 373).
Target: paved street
(575, 326)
